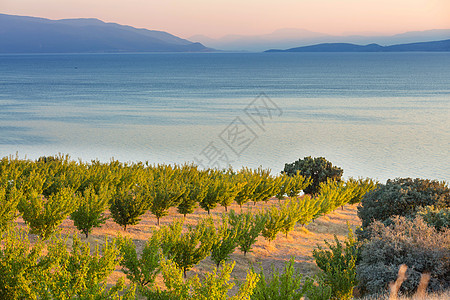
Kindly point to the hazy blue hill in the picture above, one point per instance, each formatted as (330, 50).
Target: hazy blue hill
(20, 34)
(435, 46)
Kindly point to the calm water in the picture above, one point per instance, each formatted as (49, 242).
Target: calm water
(381, 115)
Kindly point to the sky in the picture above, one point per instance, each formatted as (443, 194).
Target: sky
(217, 18)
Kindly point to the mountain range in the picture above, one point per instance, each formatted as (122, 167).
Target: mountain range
(20, 34)
(435, 46)
(292, 37)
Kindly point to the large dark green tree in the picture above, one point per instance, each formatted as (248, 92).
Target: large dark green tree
(318, 169)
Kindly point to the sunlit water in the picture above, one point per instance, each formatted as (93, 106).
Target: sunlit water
(381, 115)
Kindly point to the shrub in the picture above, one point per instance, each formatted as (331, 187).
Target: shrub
(249, 184)
(59, 274)
(285, 186)
(411, 242)
(402, 197)
(196, 189)
(439, 218)
(318, 169)
(309, 208)
(248, 226)
(143, 270)
(291, 211)
(164, 192)
(287, 285)
(9, 199)
(44, 215)
(338, 265)
(362, 186)
(188, 248)
(215, 285)
(127, 206)
(91, 209)
(274, 223)
(267, 186)
(298, 183)
(225, 242)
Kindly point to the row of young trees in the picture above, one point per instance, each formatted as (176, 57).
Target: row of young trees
(47, 191)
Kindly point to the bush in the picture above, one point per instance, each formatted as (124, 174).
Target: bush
(9, 199)
(143, 270)
(287, 285)
(215, 285)
(412, 242)
(225, 242)
(44, 215)
(274, 223)
(248, 226)
(318, 169)
(127, 206)
(402, 197)
(439, 218)
(188, 248)
(59, 274)
(338, 265)
(362, 186)
(90, 210)
(164, 192)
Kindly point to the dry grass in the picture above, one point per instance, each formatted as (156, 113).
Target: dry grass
(299, 244)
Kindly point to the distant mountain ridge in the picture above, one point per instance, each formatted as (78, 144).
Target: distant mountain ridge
(292, 37)
(20, 34)
(435, 46)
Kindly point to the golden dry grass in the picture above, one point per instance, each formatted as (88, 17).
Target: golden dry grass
(299, 244)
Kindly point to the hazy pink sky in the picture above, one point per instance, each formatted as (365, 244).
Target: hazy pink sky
(216, 18)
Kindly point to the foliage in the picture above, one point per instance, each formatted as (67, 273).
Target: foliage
(402, 197)
(91, 209)
(9, 199)
(59, 274)
(127, 206)
(165, 191)
(361, 187)
(338, 265)
(225, 243)
(213, 194)
(334, 194)
(196, 188)
(439, 218)
(267, 186)
(248, 226)
(318, 169)
(143, 270)
(308, 209)
(249, 183)
(412, 242)
(319, 291)
(215, 285)
(274, 223)
(291, 211)
(287, 285)
(188, 248)
(44, 215)
(298, 184)
(286, 183)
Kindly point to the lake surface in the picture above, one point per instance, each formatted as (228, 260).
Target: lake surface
(380, 115)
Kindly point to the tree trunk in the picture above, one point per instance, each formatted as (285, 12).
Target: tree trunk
(226, 209)
(185, 273)
(157, 221)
